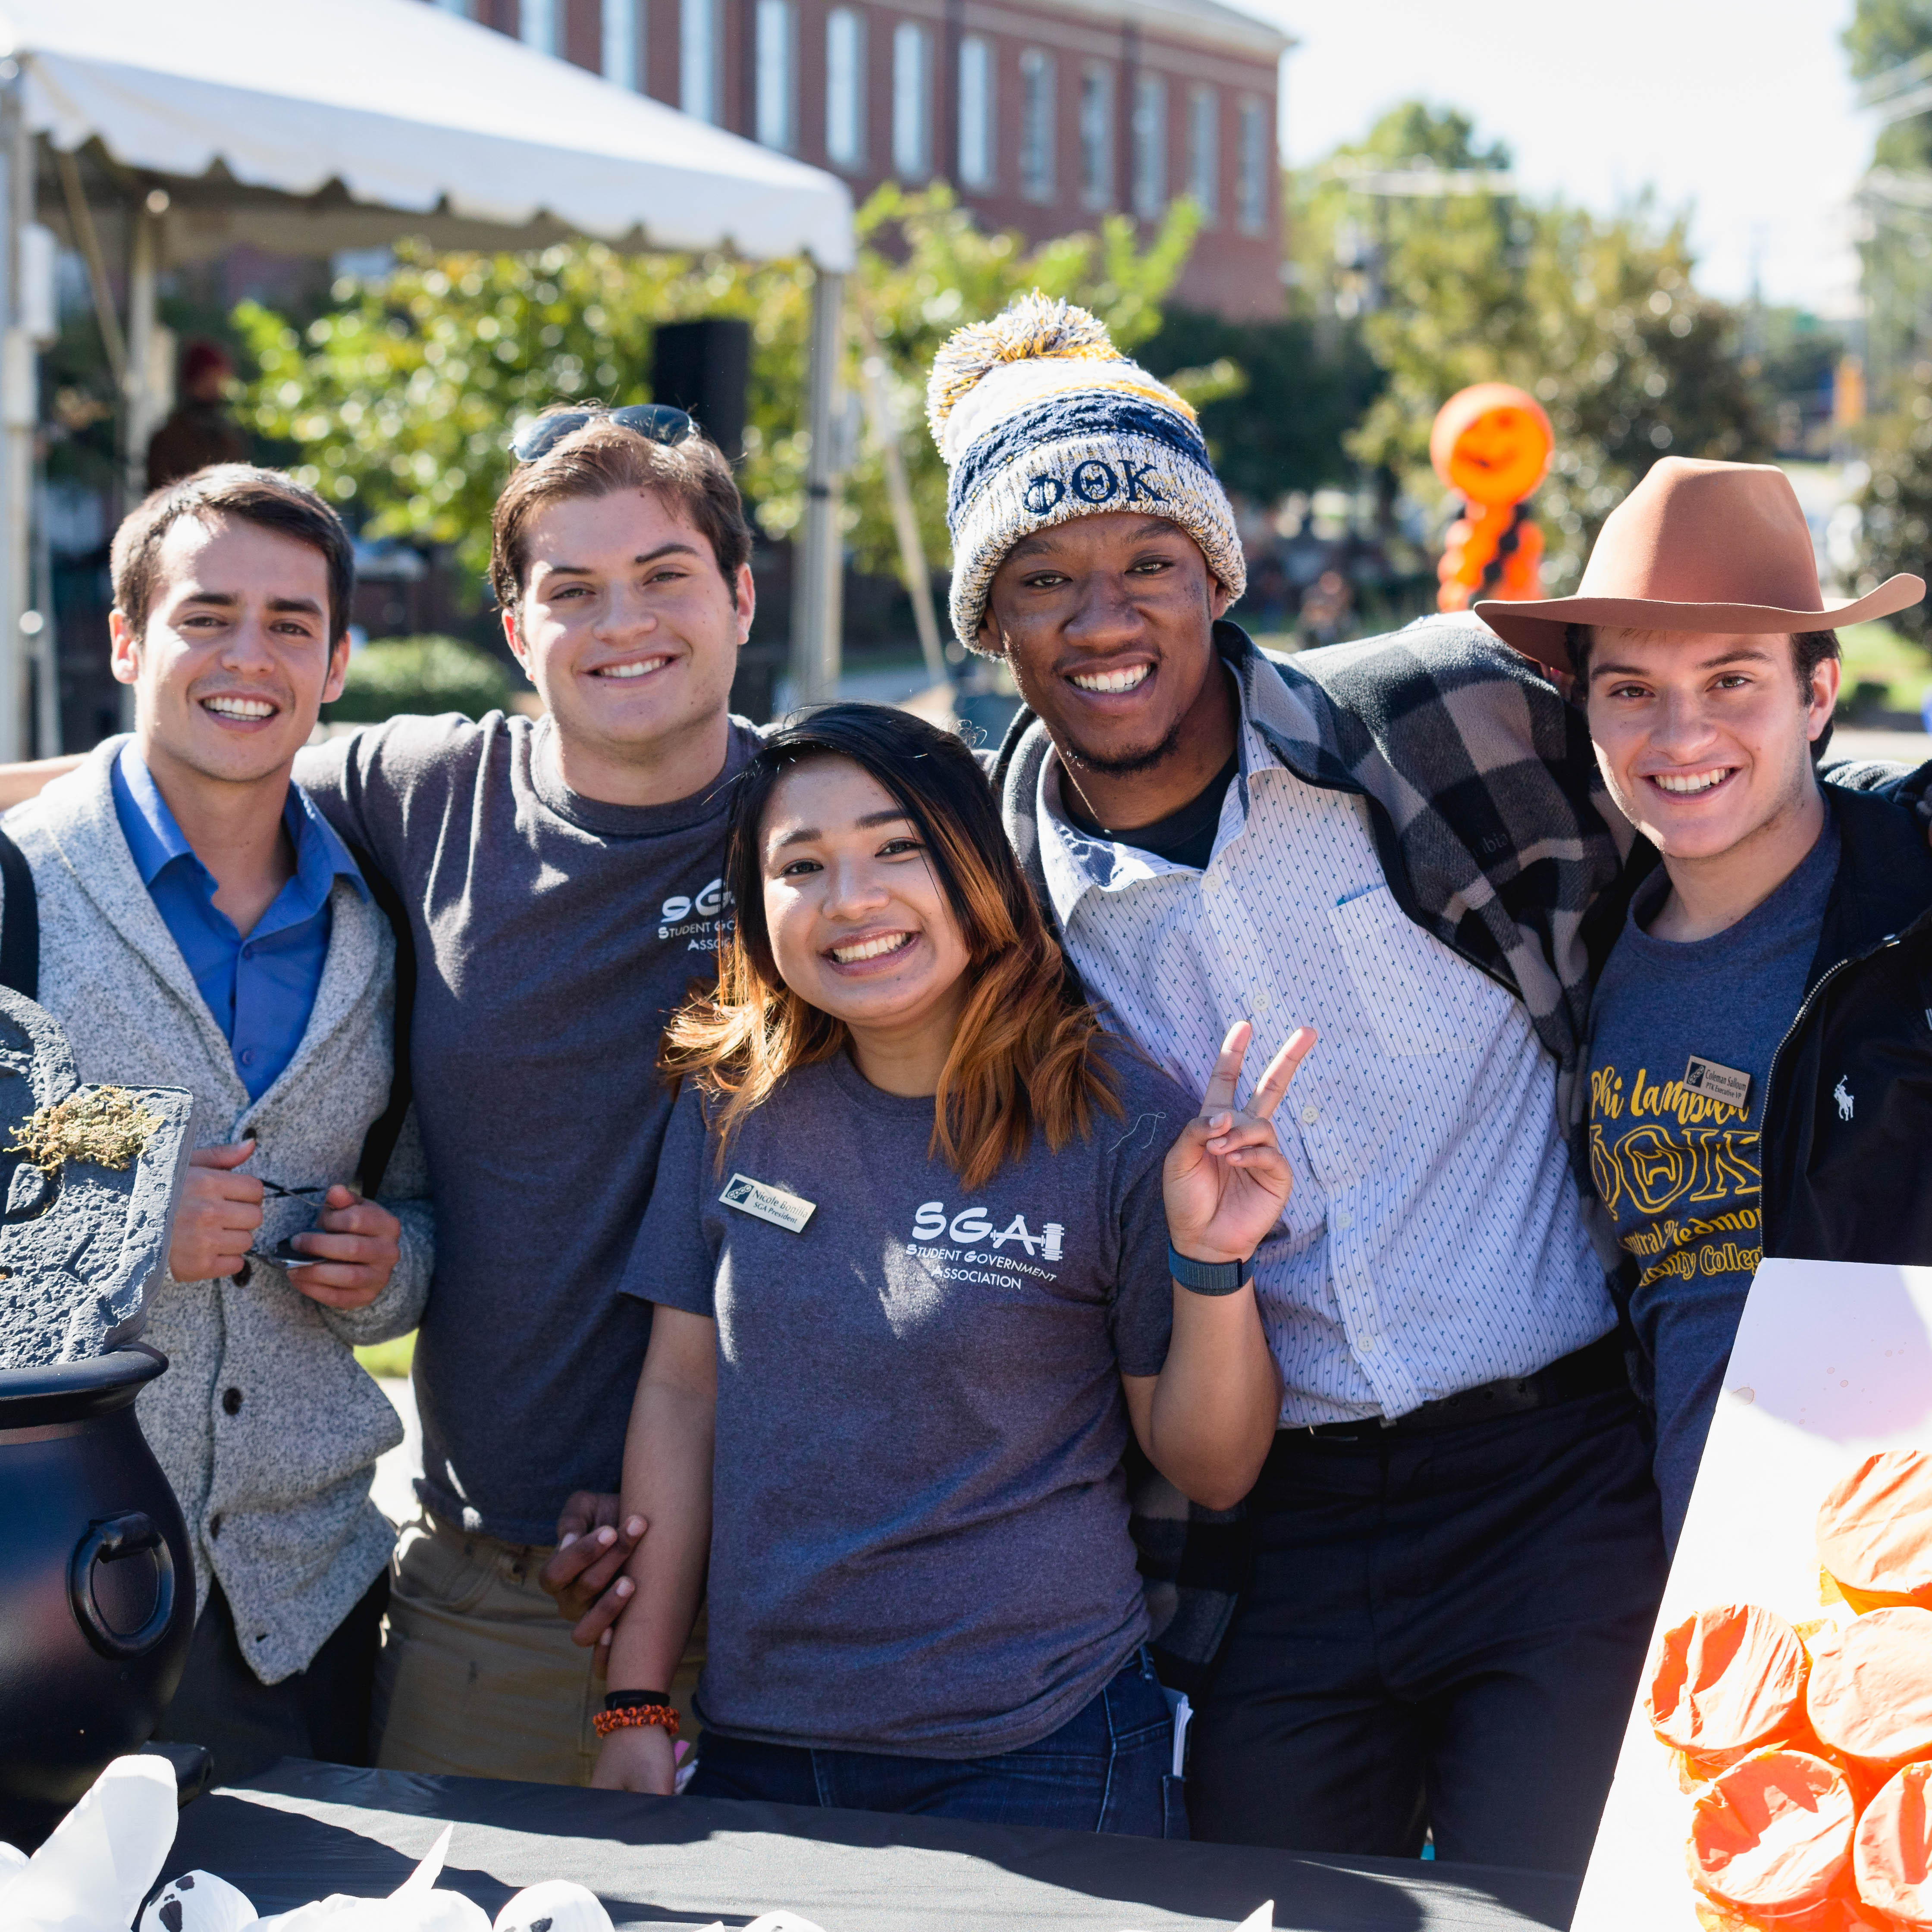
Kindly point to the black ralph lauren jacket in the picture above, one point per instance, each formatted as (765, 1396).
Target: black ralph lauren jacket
(1845, 1141)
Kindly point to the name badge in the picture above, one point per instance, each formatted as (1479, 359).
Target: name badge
(1723, 1084)
(769, 1203)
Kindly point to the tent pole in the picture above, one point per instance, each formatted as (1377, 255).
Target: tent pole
(817, 563)
(143, 274)
(19, 407)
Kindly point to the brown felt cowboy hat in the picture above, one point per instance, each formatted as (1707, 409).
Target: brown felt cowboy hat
(1696, 546)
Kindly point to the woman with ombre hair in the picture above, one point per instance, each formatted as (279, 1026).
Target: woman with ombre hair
(919, 1267)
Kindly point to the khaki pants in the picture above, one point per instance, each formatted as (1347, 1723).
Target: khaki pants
(478, 1677)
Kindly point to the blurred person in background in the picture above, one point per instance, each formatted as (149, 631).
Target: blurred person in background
(200, 430)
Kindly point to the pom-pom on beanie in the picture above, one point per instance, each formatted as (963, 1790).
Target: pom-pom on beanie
(1041, 419)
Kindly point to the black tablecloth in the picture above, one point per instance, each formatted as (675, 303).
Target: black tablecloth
(301, 1831)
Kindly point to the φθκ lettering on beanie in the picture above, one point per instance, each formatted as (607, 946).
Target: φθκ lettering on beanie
(1041, 419)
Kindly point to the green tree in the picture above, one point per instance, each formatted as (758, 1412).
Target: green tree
(400, 401)
(1896, 250)
(1298, 390)
(1596, 315)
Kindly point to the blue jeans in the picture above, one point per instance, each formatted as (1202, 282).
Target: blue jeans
(1106, 1769)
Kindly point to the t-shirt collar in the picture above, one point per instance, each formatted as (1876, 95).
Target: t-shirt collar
(608, 820)
(1076, 862)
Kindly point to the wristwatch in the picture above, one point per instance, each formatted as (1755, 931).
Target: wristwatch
(1209, 1277)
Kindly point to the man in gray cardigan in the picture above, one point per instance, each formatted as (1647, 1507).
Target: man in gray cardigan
(201, 926)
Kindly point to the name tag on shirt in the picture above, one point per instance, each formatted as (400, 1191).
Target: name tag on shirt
(1723, 1084)
(769, 1203)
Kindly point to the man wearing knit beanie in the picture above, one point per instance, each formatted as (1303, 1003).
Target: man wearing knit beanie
(1455, 1555)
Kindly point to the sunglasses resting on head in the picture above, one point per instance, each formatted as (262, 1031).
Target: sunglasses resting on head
(658, 420)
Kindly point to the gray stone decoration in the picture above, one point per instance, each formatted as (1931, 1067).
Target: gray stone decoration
(90, 1210)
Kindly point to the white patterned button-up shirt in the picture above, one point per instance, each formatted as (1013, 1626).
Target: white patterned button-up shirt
(1432, 1242)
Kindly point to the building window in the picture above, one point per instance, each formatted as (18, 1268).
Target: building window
(624, 43)
(977, 119)
(1149, 146)
(912, 101)
(1204, 150)
(775, 106)
(845, 87)
(1036, 127)
(1257, 157)
(700, 68)
(1096, 137)
(536, 24)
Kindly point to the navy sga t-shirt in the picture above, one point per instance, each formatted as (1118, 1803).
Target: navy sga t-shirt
(919, 1515)
(1679, 1169)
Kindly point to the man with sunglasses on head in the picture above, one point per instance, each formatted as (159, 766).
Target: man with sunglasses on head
(563, 877)
(200, 926)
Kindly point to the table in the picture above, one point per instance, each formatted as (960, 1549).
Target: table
(301, 1831)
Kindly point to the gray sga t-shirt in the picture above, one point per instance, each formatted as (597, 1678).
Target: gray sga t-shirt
(553, 935)
(920, 1518)
(1678, 1170)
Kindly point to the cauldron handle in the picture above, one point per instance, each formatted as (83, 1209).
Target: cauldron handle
(108, 1540)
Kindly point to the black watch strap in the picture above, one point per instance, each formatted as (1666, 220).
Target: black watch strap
(634, 1700)
(1208, 1277)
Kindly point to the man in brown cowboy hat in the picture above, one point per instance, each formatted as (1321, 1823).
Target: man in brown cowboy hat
(1706, 662)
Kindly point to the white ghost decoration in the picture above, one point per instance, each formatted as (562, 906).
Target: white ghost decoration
(198, 1901)
(413, 1906)
(557, 1905)
(100, 1859)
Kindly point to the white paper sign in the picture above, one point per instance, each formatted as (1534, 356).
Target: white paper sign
(1833, 1362)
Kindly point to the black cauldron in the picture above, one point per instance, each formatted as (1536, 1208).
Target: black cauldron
(97, 1582)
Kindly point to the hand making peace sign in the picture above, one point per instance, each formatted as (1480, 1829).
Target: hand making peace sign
(1226, 1181)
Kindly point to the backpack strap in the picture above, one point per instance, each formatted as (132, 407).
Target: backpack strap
(380, 1141)
(19, 922)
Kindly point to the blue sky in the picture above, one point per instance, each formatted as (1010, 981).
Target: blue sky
(1740, 108)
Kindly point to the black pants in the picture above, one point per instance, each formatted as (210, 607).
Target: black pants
(321, 1712)
(1442, 1631)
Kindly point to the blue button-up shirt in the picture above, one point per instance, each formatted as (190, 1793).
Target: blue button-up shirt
(259, 989)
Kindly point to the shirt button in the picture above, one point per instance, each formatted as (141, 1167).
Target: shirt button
(214, 1526)
(1210, 884)
(247, 953)
(1262, 1000)
(231, 1401)
(248, 1056)
(1367, 1345)
(1343, 1219)
(1310, 1114)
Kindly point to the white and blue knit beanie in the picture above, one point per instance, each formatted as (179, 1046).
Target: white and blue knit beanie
(1041, 419)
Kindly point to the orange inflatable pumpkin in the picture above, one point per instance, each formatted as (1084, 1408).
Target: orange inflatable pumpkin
(1491, 443)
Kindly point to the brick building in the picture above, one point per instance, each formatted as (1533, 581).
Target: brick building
(1043, 114)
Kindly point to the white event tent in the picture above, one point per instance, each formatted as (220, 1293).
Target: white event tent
(306, 129)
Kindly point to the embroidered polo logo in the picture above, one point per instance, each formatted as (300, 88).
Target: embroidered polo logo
(1092, 482)
(1843, 1095)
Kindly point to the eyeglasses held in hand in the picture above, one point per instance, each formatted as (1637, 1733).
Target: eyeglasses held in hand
(658, 420)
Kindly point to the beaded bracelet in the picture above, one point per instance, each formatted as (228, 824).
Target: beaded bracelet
(636, 1717)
